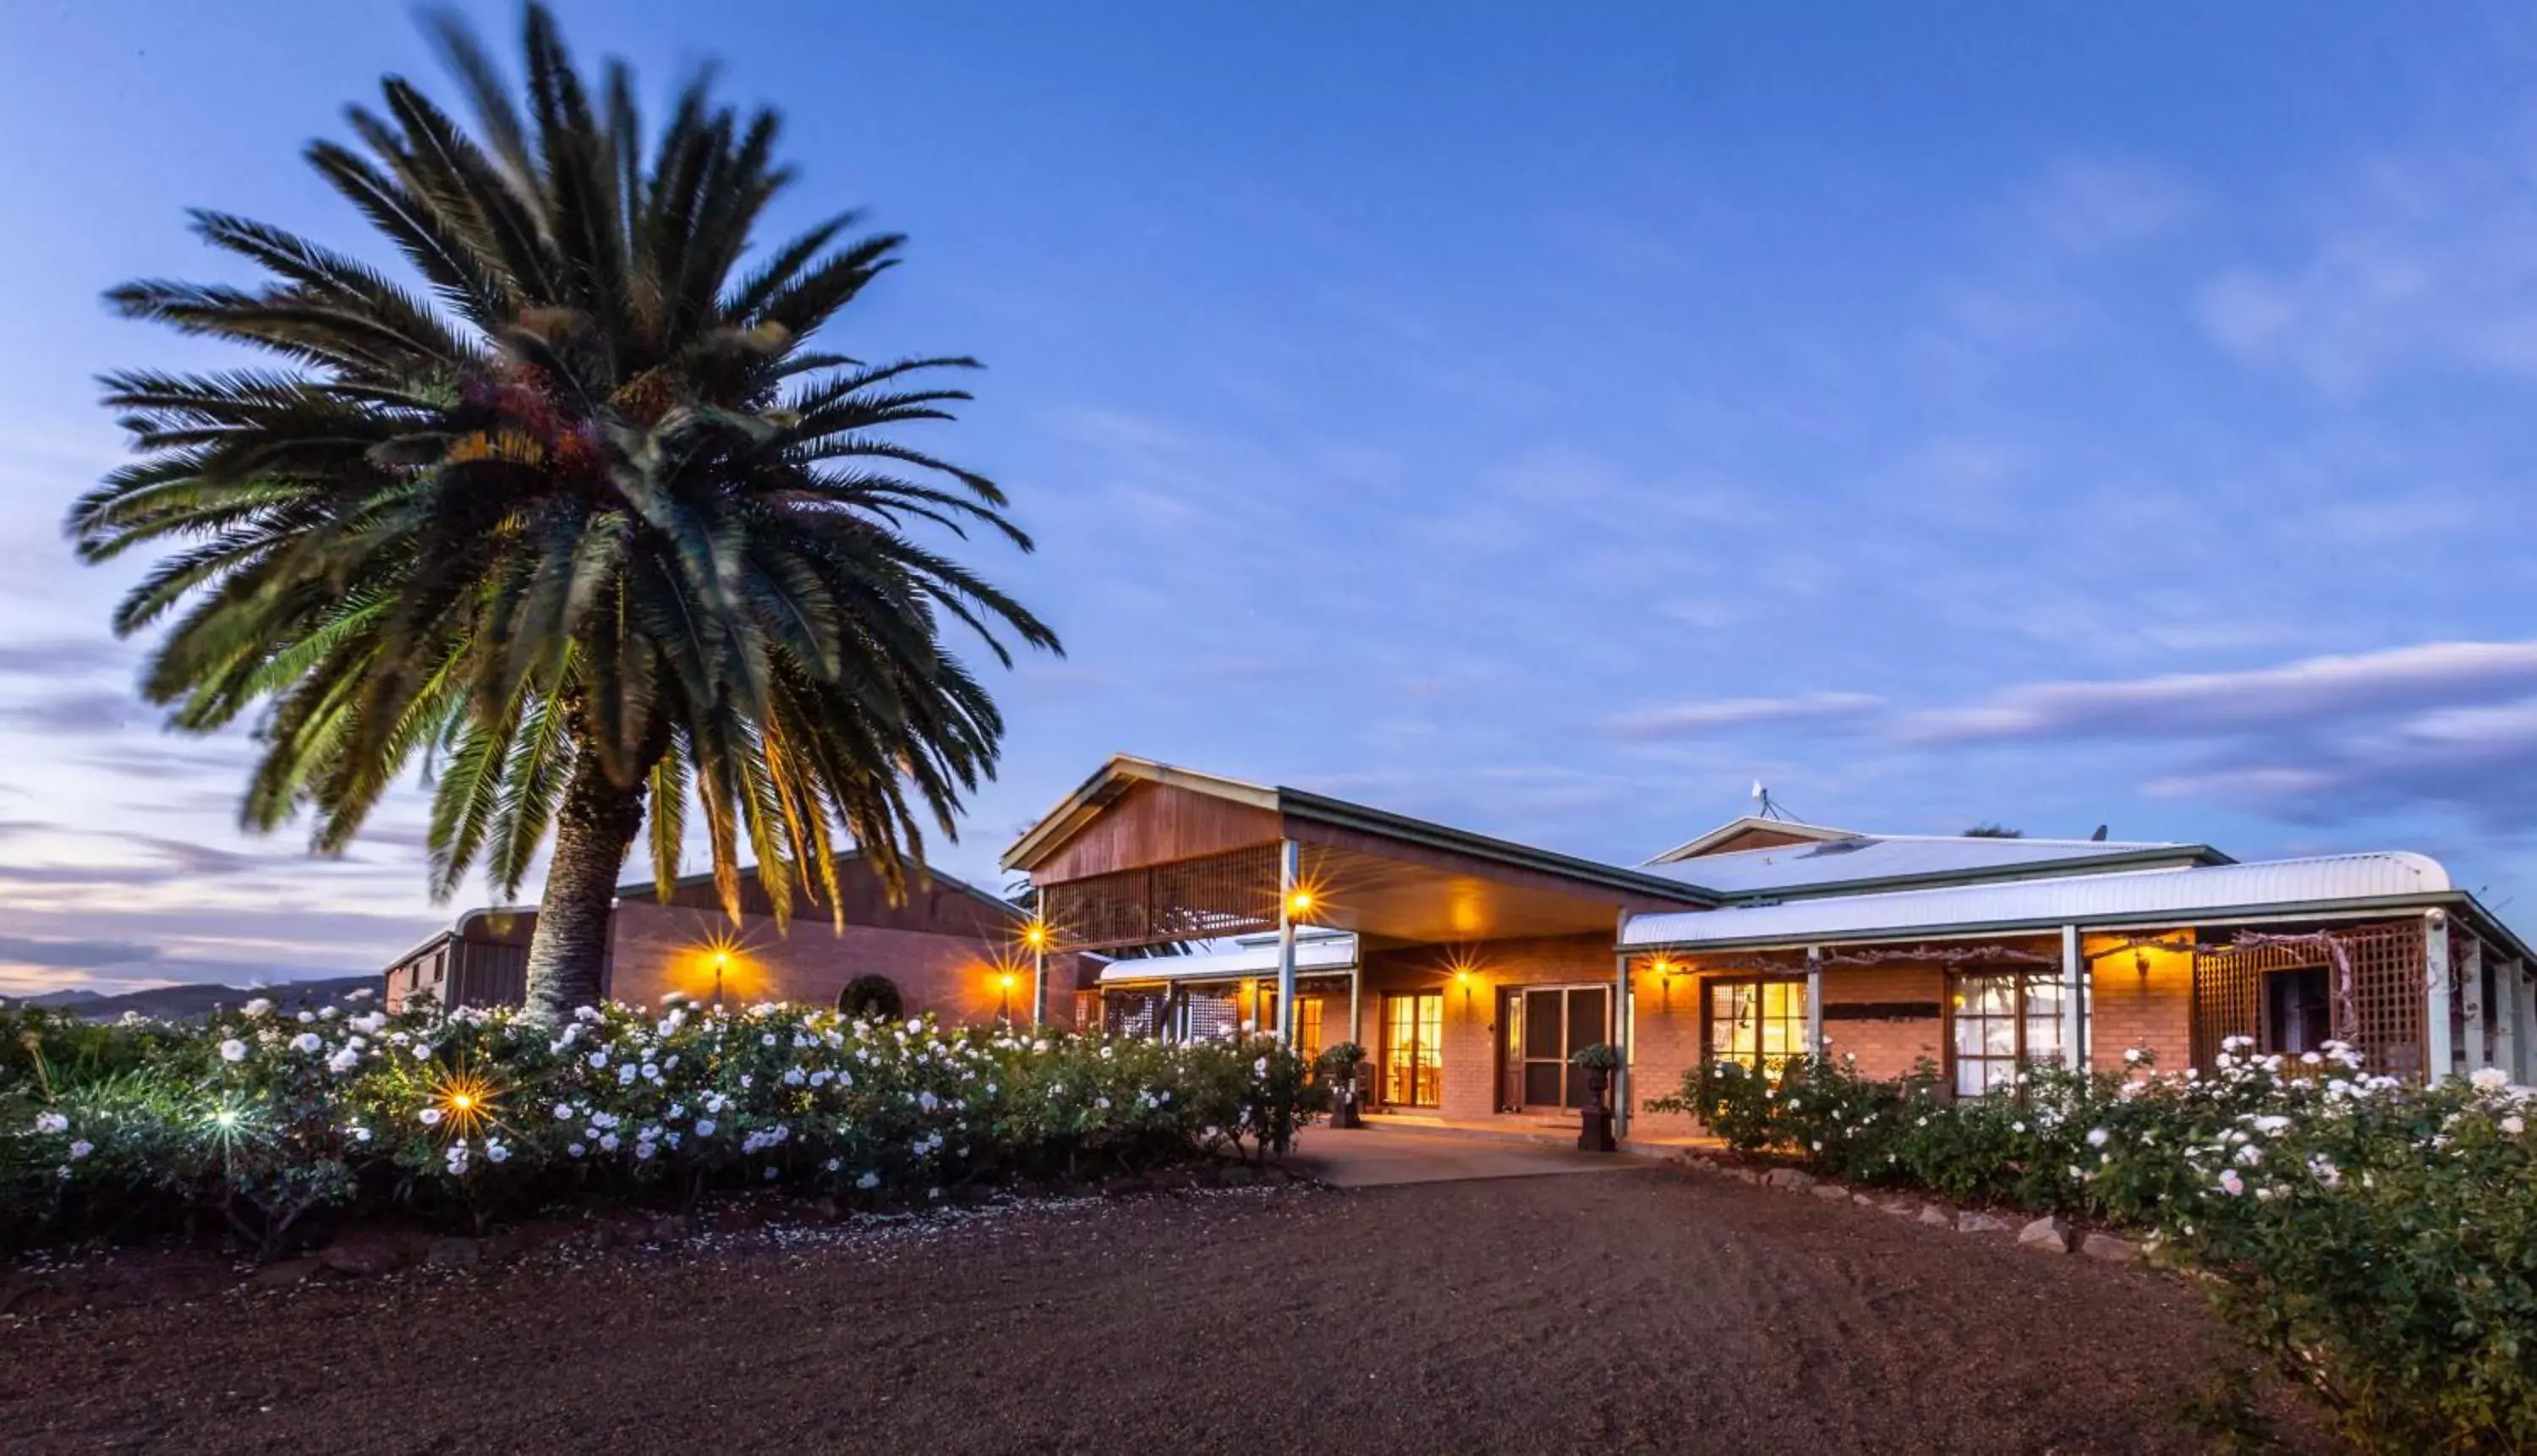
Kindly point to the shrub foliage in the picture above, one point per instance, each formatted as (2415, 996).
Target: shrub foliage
(2379, 1239)
(262, 1116)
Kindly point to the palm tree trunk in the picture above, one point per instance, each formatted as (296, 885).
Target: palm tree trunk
(595, 827)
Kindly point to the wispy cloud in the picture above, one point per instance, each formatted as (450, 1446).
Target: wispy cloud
(62, 657)
(2309, 694)
(2416, 260)
(1688, 720)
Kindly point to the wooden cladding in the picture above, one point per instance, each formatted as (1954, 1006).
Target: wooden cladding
(1233, 893)
(1157, 823)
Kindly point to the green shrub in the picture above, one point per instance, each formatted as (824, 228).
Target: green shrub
(262, 1117)
(2378, 1240)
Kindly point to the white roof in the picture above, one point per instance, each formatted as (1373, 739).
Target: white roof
(1750, 823)
(2066, 900)
(1252, 955)
(1882, 857)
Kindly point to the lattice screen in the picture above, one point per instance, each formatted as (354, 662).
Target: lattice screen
(1214, 894)
(2380, 1012)
(1131, 1013)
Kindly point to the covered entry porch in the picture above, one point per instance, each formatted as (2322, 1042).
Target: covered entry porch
(1469, 968)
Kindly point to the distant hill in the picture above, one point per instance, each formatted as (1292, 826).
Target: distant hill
(178, 1003)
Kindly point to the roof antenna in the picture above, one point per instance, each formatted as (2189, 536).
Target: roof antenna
(2099, 837)
(1764, 806)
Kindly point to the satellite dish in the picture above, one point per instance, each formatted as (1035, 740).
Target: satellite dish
(2099, 837)
(1761, 794)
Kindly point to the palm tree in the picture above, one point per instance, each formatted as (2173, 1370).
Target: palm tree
(587, 529)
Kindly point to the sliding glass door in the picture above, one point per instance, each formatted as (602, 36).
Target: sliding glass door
(1413, 1049)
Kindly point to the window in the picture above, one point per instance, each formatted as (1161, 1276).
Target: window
(2299, 1010)
(2004, 1021)
(1759, 1024)
(1307, 1027)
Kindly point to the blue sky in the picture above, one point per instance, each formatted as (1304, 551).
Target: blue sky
(1546, 420)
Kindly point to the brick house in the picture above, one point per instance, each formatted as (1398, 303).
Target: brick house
(951, 948)
(1472, 968)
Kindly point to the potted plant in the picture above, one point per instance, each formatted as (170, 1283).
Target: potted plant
(1599, 1062)
(1336, 1066)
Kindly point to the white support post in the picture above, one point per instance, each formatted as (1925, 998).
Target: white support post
(2440, 1054)
(1289, 870)
(1039, 986)
(2470, 973)
(2074, 1001)
(1814, 1001)
(2507, 1024)
(1356, 997)
(1624, 1015)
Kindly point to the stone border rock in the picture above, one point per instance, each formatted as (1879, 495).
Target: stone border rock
(2049, 1234)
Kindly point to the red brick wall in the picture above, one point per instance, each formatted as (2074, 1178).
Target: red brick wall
(1886, 1048)
(1669, 1032)
(659, 948)
(2142, 998)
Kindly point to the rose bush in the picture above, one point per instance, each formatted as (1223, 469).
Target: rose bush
(262, 1115)
(2378, 1238)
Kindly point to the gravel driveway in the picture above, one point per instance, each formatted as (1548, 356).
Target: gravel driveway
(1650, 1309)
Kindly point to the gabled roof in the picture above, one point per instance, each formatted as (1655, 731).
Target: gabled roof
(1298, 805)
(1721, 838)
(918, 873)
(1856, 864)
(2331, 884)
(1115, 778)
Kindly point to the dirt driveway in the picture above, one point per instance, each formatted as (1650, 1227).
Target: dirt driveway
(1649, 1310)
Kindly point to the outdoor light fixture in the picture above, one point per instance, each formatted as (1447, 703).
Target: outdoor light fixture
(1004, 1002)
(1035, 934)
(1300, 902)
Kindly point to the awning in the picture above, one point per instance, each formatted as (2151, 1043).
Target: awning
(1250, 957)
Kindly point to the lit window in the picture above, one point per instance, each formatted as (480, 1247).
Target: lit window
(2004, 1020)
(1307, 1027)
(1757, 1024)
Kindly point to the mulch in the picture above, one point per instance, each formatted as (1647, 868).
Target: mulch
(1656, 1311)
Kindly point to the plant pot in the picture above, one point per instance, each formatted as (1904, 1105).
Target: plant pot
(1595, 1120)
(1345, 1115)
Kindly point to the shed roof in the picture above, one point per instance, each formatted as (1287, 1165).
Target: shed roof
(1250, 956)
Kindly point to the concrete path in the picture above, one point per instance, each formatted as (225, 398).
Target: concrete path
(1373, 1157)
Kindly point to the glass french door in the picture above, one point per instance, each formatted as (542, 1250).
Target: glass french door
(1544, 1026)
(1413, 1049)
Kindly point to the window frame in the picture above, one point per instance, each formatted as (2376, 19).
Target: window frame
(2019, 1017)
(1761, 1063)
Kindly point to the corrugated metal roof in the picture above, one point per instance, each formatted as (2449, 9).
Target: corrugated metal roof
(1249, 956)
(1885, 857)
(2065, 900)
